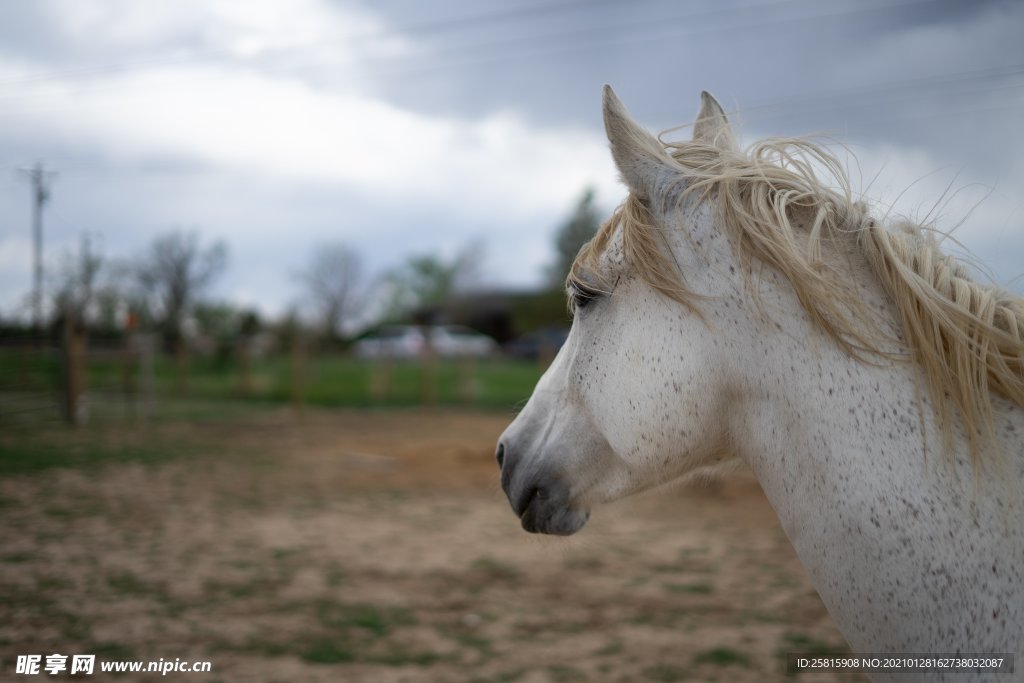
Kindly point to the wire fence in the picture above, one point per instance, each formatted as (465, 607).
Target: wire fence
(71, 380)
(46, 380)
(29, 388)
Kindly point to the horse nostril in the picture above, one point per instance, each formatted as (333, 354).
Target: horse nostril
(501, 455)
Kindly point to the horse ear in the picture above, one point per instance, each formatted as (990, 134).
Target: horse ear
(712, 127)
(641, 159)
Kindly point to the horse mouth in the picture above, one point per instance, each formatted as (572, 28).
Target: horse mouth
(540, 513)
(541, 499)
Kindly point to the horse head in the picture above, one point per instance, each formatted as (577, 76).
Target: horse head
(640, 392)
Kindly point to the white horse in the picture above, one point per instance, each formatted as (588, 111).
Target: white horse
(735, 307)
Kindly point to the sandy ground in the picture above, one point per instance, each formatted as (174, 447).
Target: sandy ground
(347, 546)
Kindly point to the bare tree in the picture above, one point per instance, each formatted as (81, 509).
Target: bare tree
(117, 296)
(174, 274)
(76, 283)
(331, 281)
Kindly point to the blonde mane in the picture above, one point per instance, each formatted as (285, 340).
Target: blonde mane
(968, 337)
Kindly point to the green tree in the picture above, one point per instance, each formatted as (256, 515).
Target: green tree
(579, 229)
(427, 283)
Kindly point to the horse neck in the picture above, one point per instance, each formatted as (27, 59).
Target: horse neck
(869, 504)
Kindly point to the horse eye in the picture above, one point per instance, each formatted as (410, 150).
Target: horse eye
(581, 296)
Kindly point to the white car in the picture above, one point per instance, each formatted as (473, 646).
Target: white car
(458, 340)
(410, 341)
(395, 341)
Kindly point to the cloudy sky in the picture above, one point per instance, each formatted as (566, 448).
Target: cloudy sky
(403, 127)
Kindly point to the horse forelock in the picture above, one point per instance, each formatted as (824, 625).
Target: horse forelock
(788, 202)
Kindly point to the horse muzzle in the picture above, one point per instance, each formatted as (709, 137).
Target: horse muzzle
(539, 497)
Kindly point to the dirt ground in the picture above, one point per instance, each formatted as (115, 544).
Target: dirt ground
(354, 546)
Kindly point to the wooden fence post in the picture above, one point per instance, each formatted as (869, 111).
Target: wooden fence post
(243, 353)
(74, 371)
(146, 347)
(428, 371)
(297, 368)
(129, 375)
(469, 386)
(181, 365)
(380, 378)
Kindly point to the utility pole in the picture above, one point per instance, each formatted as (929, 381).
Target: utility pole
(39, 177)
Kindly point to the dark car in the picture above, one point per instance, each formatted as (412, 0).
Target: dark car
(534, 345)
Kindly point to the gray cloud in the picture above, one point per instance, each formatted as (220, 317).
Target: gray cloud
(913, 86)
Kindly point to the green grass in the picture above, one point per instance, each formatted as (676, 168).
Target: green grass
(329, 380)
(474, 641)
(563, 674)
(46, 607)
(18, 558)
(342, 381)
(334, 576)
(665, 616)
(800, 642)
(341, 649)
(496, 570)
(127, 583)
(400, 656)
(252, 587)
(665, 673)
(722, 656)
(344, 633)
(350, 633)
(115, 651)
(804, 644)
(695, 588)
(29, 455)
(30, 369)
(328, 652)
(377, 620)
(615, 647)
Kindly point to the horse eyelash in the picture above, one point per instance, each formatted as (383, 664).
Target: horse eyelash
(582, 295)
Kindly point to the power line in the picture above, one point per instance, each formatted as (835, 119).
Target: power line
(594, 37)
(423, 28)
(626, 32)
(572, 40)
(897, 87)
